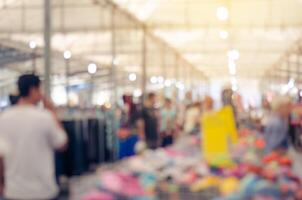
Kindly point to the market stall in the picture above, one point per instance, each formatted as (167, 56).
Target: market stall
(183, 171)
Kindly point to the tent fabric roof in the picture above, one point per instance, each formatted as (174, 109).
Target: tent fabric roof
(85, 28)
(261, 30)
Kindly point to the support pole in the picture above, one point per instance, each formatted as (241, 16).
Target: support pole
(91, 91)
(163, 62)
(187, 76)
(144, 64)
(288, 74)
(176, 68)
(34, 65)
(113, 61)
(298, 67)
(67, 86)
(191, 77)
(47, 47)
(114, 100)
(164, 69)
(275, 74)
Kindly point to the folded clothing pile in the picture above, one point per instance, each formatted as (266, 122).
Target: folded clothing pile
(179, 172)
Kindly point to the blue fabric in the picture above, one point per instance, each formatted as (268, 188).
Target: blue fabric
(127, 146)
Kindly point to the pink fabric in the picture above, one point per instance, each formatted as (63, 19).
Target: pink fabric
(122, 183)
(111, 181)
(96, 195)
(173, 153)
(131, 186)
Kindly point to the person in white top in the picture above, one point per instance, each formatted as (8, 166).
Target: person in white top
(4, 148)
(32, 135)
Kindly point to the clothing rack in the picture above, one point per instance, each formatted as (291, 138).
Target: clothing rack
(92, 140)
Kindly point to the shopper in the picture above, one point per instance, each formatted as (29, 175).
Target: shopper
(32, 134)
(168, 123)
(266, 111)
(276, 131)
(127, 131)
(207, 104)
(129, 112)
(227, 96)
(148, 123)
(4, 149)
(192, 118)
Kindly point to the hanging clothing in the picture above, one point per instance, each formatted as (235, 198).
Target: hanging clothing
(87, 147)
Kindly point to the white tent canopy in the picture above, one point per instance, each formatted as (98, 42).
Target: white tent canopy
(85, 28)
(184, 39)
(261, 30)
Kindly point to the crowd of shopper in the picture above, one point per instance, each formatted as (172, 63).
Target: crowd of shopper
(30, 132)
(158, 123)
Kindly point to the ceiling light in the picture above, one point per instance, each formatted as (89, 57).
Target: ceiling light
(168, 83)
(92, 68)
(234, 88)
(233, 54)
(67, 55)
(153, 79)
(224, 35)
(132, 77)
(180, 86)
(116, 61)
(32, 44)
(222, 13)
(160, 79)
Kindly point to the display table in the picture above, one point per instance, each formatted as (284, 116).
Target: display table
(180, 172)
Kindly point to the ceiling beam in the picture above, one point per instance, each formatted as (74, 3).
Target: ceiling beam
(230, 27)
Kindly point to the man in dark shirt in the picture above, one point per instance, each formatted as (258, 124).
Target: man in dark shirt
(148, 123)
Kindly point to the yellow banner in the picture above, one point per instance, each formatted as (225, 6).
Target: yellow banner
(218, 134)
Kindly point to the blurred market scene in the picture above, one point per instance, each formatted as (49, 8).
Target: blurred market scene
(150, 100)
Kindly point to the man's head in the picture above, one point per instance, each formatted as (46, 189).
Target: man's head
(208, 103)
(282, 106)
(152, 98)
(29, 88)
(227, 96)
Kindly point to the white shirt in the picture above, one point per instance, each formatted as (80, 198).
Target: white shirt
(4, 148)
(32, 135)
